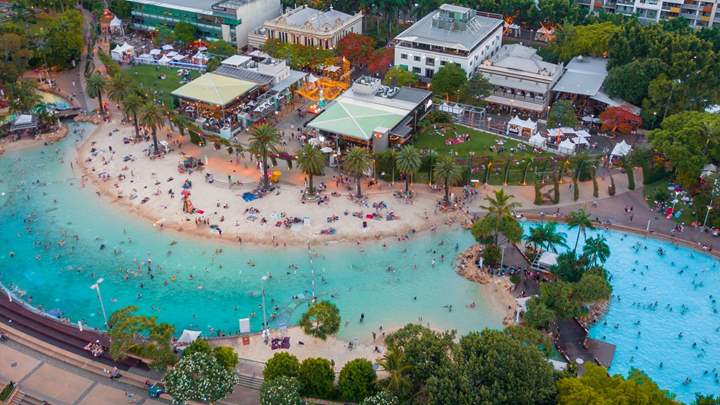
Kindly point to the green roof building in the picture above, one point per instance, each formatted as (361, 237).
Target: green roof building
(229, 20)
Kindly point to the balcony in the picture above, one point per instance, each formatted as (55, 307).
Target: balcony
(510, 94)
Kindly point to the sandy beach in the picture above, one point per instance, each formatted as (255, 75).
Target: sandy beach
(151, 188)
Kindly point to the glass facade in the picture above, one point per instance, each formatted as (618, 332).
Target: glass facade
(151, 16)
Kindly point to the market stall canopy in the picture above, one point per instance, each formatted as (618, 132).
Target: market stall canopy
(165, 60)
(519, 122)
(621, 149)
(582, 133)
(537, 140)
(167, 47)
(567, 147)
(581, 141)
(155, 52)
(214, 89)
(116, 22)
(23, 119)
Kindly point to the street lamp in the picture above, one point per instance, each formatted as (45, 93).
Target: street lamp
(265, 324)
(707, 214)
(96, 287)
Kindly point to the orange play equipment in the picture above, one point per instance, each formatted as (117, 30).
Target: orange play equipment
(332, 82)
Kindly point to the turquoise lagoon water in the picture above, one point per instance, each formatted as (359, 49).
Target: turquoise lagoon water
(655, 298)
(42, 204)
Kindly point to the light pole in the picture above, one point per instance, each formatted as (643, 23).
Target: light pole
(96, 287)
(707, 214)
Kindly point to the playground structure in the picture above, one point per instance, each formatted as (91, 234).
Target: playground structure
(332, 82)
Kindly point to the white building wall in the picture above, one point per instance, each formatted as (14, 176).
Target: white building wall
(417, 60)
(253, 15)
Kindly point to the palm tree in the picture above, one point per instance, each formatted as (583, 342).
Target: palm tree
(120, 87)
(408, 163)
(264, 140)
(395, 365)
(596, 249)
(579, 219)
(357, 162)
(180, 121)
(499, 209)
(311, 162)
(132, 104)
(96, 85)
(447, 171)
(152, 116)
(546, 236)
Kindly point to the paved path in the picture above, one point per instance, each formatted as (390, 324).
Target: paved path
(57, 382)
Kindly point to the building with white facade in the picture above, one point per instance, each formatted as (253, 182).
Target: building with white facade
(451, 34)
(307, 26)
(699, 13)
(521, 80)
(229, 20)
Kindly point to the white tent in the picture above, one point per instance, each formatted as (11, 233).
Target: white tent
(581, 141)
(155, 52)
(178, 57)
(167, 47)
(115, 23)
(708, 169)
(120, 52)
(171, 54)
(188, 336)
(312, 78)
(146, 57)
(521, 127)
(582, 133)
(621, 149)
(547, 260)
(537, 141)
(566, 147)
(164, 60)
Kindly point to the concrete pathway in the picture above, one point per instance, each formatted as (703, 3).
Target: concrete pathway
(57, 382)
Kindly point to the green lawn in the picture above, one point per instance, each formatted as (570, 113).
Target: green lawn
(149, 77)
(688, 214)
(479, 143)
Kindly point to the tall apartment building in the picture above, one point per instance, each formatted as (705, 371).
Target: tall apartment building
(229, 20)
(699, 13)
(451, 34)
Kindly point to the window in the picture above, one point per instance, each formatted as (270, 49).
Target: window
(429, 73)
(417, 70)
(430, 61)
(443, 63)
(416, 58)
(403, 56)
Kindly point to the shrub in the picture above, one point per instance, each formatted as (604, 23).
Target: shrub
(281, 391)
(226, 356)
(515, 279)
(357, 380)
(381, 398)
(281, 365)
(6, 391)
(316, 377)
(198, 346)
(438, 117)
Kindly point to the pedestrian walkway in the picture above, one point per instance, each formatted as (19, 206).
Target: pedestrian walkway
(47, 379)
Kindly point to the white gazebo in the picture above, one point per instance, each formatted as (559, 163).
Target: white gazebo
(155, 52)
(116, 25)
(123, 53)
(537, 141)
(519, 126)
(566, 147)
(164, 60)
(621, 149)
(581, 142)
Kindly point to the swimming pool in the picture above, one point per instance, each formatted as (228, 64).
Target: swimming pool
(655, 298)
(54, 100)
(226, 286)
(192, 284)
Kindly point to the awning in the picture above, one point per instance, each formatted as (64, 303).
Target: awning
(188, 336)
(214, 89)
(621, 149)
(548, 259)
(523, 105)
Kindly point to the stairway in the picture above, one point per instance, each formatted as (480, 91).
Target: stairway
(250, 382)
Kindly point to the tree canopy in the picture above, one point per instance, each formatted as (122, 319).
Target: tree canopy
(589, 40)
(199, 377)
(448, 81)
(597, 387)
(141, 336)
(400, 77)
(321, 319)
(562, 114)
(688, 140)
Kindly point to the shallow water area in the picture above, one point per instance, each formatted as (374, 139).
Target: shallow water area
(63, 237)
(655, 298)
